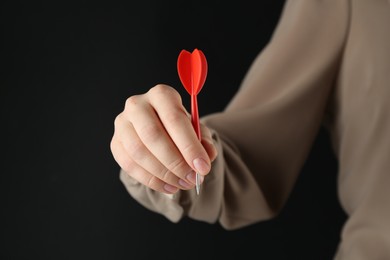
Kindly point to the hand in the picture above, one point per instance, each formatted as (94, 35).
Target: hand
(155, 142)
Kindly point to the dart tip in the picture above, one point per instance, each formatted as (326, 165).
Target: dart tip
(197, 184)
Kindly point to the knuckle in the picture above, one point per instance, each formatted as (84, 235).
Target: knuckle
(191, 150)
(152, 182)
(150, 133)
(177, 166)
(131, 102)
(128, 166)
(164, 174)
(118, 119)
(112, 144)
(160, 89)
(164, 90)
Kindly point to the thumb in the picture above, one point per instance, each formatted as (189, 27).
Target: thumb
(208, 143)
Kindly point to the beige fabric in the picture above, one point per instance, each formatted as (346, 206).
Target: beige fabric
(327, 62)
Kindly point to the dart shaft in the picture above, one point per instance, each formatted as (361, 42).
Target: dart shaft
(196, 125)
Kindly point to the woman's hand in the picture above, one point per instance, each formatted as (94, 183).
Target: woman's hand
(155, 142)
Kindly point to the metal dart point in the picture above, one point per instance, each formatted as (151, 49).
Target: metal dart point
(197, 182)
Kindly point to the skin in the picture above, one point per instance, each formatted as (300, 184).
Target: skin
(155, 142)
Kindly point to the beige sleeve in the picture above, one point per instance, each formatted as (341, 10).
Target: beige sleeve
(266, 132)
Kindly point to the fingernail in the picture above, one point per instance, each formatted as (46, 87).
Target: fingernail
(170, 188)
(191, 177)
(201, 166)
(184, 184)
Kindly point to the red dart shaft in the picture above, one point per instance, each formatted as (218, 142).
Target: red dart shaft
(195, 116)
(196, 125)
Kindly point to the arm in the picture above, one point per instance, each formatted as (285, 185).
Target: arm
(266, 131)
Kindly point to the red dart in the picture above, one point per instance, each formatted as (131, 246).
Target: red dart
(192, 69)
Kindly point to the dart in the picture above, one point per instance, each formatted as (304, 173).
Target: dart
(192, 70)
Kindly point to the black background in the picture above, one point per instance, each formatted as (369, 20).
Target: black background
(67, 71)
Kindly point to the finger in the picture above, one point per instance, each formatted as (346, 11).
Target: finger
(153, 135)
(178, 126)
(144, 158)
(138, 173)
